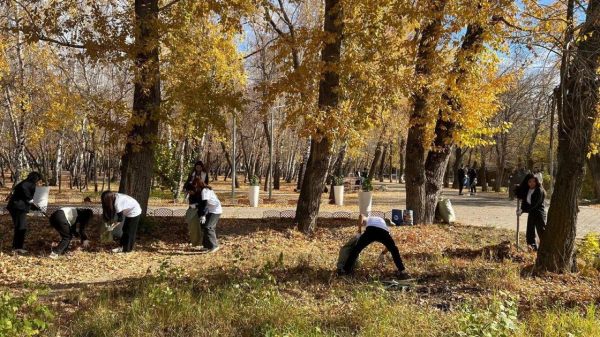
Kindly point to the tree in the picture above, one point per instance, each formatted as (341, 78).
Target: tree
(577, 113)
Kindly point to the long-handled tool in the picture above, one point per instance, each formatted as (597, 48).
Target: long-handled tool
(518, 224)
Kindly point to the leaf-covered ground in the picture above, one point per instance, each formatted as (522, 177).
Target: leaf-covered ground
(451, 264)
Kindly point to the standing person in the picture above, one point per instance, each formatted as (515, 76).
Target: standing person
(532, 196)
(210, 211)
(473, 180)
(512, 181)
(376, 230)
(461, 179)
(192, 215)
(126, 209)
(199, 172)
(65, 221)
(538, 174)
(20, 203)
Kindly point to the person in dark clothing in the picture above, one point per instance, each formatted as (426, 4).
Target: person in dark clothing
(127, 211)
(472, 180)
(461, 180)
(532, 196)
(199, 172)
(376, 230)
(19, 204)
(65, 221)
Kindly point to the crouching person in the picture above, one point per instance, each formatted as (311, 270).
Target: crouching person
(209, 212)
(65, 221)
(376, 230)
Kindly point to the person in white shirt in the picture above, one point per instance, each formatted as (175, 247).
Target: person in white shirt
(128, 211)
(376, 231)
(65, 221)
(538, 174)
(209, 211)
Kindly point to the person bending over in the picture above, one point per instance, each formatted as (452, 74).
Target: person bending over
(376, 230)
(65, 221)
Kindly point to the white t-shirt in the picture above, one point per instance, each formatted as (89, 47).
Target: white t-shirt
(70, 214)
(128, 205)
(375, 221)
(212, 202)
(529, 195)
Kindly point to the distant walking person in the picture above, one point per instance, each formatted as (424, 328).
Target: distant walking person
(128, 211)
(538, 174)
(461, 179)
(473, 180)
(532, 196)
(65, 221)
(19, 204)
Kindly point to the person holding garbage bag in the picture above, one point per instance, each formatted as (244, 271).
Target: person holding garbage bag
(532, 196)
(20, 203)
(128, 211)
(376, 230)
(65, 221)
(209, 211)
(192, 216)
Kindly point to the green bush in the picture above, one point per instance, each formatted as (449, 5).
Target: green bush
(589, 252)
(338, 181)
(498, 319)
(367, 185)
(23, 315)
(254, 180)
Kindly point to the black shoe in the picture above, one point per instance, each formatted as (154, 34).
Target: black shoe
(403, 276)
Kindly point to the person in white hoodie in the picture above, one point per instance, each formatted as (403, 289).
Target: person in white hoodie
(209, 211)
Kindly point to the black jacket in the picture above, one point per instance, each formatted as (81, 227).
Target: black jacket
(537, 203)
(461, 174)
(21, 196)
(472, 174)
(190, 180)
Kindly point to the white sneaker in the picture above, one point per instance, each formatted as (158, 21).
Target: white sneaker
(53, 256)
(117, 250)
(214, 249)
(19, 251)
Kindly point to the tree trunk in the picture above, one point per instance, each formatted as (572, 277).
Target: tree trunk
(137, 163)
(58, 161)
(402, 159)
(594, 169)
(304, 163)
(457, 163)
(228, 158)
(376, 159)
(382, 165)
(415, 150)
(576, 117)
(484, 184)
(309, 201)
(180, 168)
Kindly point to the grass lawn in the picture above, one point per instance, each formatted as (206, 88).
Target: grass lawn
(270, 280)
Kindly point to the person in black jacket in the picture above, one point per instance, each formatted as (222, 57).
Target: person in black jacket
(19, 204)
(461, 179)
(65, 221)
(473, 180)
(199, 172)
(532, 197)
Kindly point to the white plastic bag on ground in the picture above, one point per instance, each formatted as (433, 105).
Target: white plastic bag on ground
(446, 210)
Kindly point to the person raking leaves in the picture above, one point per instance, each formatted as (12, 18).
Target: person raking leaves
(376, 230)
(65, 221)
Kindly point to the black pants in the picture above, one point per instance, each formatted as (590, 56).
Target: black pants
(473, 188)
(59, 222)
(209, 240)
(461, 185)
(371, 235)
(19, 219)
(535, 222)
(129, 229)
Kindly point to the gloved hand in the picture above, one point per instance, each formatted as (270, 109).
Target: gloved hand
(202, 220)
(85, 244)
(381, 258)
(193, 206)
(358, 235)
(519, 212)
